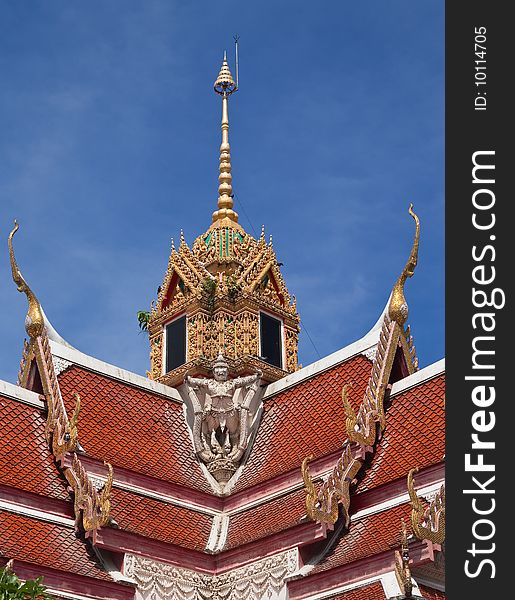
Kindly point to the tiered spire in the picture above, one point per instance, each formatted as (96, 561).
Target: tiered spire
(225, 86)
(223, 289)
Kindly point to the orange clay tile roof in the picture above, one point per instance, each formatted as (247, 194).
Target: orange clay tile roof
(25, 462)
(374, 591)
(367, 537)
(132, 428)
(160, 520)
(305, 419)
(414, 434)
(266, 519)
(46, 544)
(430, 593)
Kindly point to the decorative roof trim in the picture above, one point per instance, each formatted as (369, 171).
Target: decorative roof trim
(74, 583)
(365, 427)
(356, 348)
(34, 321)
(15, 392)
(392, 589)
(402, 560)
(344, 588)
(34, 513)
(91, 507)
(99, 366)
(356, 572)
(427, 523)
(430, 583)
(418, 378)
(393, 502)
(60, 594)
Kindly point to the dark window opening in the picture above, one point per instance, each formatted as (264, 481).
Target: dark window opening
(271, 346)
(175, 344)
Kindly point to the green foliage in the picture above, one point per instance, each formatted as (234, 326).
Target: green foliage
(143, 318)
(11, 588)
(209, 287)
(233, 288)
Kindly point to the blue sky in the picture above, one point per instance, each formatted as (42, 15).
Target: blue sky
(109, 143)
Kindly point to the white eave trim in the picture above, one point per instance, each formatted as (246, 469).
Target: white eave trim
(368, 341)
(34, 513)
(99, 366)
(15, 392)
(419, 377)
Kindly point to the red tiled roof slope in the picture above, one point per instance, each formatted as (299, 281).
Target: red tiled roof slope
(430, 593)
(46, 544)
(414, 434)
(367, 537)
(266, 519)
(25, 461)
(306, 419)
(132, 428)
(160, 520)
(374, 591)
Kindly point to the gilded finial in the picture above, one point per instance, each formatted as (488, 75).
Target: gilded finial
(34, 321)
(225, 86)
(398, 309)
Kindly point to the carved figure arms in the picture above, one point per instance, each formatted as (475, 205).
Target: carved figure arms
(196, 382)
(240, 382)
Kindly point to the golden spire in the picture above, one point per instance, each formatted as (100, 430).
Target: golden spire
(398, 309)
(225, 86)
(34, 321)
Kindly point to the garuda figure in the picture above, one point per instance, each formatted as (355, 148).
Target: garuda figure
(220, 427)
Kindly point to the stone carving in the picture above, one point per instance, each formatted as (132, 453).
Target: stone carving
(221, 417)
(264, 578)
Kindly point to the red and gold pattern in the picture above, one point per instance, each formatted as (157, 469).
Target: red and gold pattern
(221, 284)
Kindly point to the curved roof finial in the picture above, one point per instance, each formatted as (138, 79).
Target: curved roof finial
(225, 86)
(34, 321)
(398, 308)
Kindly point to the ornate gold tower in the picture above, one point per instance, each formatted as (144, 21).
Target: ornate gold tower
(225, 294)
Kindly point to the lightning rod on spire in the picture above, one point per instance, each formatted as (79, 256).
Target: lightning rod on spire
(236, 40)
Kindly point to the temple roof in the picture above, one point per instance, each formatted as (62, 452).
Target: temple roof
(105, 473)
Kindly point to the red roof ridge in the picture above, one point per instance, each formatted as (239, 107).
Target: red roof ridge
(364, 427)
(213, 505)
(35, 513)
(356, 348)
(418, 378)
(112, 371)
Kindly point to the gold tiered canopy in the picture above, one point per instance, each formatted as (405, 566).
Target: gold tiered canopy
(223, 285)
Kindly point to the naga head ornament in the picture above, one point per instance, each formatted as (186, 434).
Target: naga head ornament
(398, 308)
(34, 321)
